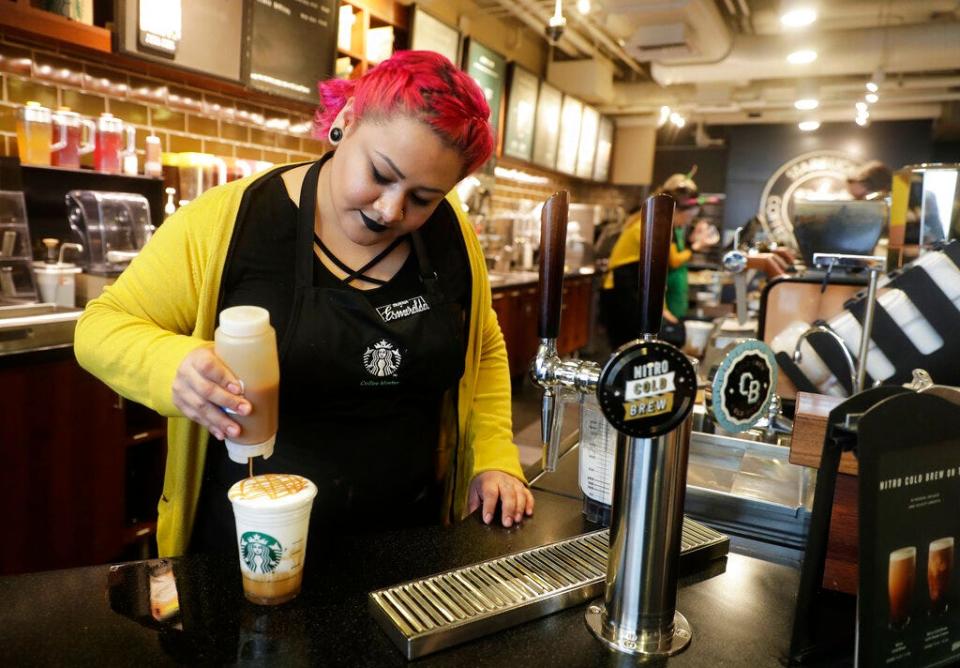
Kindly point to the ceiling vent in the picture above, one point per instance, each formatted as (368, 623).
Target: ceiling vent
(658, 42)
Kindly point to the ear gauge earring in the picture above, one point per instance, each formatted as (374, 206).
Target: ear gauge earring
(335, 135)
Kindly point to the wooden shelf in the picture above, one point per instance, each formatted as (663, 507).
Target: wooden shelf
(24, 18)
(353, 55)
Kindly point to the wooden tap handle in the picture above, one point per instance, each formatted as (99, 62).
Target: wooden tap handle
(654, 257)
(553, 241)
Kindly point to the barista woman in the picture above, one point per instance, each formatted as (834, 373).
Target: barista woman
(357, 256)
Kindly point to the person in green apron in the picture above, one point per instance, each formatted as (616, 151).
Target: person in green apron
(685, 193)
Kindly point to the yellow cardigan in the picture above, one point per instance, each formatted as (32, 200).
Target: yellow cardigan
(627, 250)
(134, 336)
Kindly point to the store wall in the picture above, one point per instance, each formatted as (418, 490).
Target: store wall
(185, 118)
(755, 152)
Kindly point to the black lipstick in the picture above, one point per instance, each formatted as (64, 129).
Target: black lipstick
(372, 225)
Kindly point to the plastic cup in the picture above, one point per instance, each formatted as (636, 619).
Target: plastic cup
(57, 283)
(272, 513)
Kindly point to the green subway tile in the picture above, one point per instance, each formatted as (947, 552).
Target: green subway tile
(88, 105)
(200, 125)
(131, 112)
(8, 119)
(314, 146)
(289, 142)
(300, 157)
(263, 137)
(22, 91)
(274, 156)
(164, 118)
(233, 131)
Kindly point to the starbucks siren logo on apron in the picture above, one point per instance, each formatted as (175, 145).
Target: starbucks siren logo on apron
(382, 359)
(260, 552)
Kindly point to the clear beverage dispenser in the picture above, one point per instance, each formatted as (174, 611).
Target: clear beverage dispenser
(113, 228)
(74, 135)
(110, 146)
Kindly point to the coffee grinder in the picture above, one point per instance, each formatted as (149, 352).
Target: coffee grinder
(646, 391)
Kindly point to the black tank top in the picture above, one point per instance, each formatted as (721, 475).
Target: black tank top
(362, 372)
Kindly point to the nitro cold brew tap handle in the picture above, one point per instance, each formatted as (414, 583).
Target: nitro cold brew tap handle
(553, 239)
(654, 255)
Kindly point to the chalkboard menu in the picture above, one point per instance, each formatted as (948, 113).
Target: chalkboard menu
(570, 119)
(290, 46)
(488, 69)
(601, 164)
(210, 39)
(521, 109)
(589, 127)
(430, 34)
(547, 130)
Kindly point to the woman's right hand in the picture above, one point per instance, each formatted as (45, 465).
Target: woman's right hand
(203, 386)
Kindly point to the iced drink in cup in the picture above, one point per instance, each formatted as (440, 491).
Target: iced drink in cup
(272, 513)
(900, 584)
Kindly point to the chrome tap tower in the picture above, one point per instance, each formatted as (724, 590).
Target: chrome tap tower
(646, 391)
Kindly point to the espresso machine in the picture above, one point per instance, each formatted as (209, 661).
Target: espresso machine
(646, 391)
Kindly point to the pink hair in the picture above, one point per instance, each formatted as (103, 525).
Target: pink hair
(424, 85)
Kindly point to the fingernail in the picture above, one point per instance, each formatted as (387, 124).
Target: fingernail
(487, 518)
(217, 435)
(507, 521)
(233, 388)
(233, 431)
(243, 408)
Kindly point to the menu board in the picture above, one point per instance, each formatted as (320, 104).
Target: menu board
(547, 130)
(430, 34)
(589, 126)
(489, 69)
(909, 493)
(570, 119)
(601, 163)
(208, 38)
(521, 109)
(290, 46)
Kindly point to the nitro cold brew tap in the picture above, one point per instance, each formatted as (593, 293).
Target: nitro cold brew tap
(554, 375)
(646, 391)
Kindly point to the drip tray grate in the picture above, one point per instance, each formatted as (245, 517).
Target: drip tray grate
(439, 611)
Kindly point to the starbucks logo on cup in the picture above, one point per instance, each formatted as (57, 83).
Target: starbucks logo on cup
(260, 552)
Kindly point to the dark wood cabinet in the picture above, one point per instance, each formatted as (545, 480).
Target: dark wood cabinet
(517, 311)
(79, 465)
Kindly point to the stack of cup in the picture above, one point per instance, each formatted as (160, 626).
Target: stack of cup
(272, 513)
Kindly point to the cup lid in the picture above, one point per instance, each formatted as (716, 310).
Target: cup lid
(65, 268)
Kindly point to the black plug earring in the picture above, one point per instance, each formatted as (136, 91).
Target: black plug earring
(336, 134)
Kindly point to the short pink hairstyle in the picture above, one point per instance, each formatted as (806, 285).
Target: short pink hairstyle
(425, 86)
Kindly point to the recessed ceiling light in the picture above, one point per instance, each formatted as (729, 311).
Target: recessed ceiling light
(583, 6)
(806, 104)
(802, 57)
(808, 126)
(863, 121)
(872, 87)
(871, 98)
(677, 120)
(798, 17)
(861, 106)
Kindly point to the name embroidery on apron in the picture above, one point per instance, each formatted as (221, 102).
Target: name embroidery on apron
(403, 309)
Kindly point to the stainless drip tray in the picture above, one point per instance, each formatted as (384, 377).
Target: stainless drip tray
(439, 611)
(36, 327)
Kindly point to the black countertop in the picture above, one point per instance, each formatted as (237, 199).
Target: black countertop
(100, 615)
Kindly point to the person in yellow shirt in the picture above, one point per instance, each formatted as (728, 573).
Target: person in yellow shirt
(357, 253)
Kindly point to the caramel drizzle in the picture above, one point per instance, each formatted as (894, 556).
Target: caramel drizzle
(271, 485)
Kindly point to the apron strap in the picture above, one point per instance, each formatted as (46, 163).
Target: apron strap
(305, 224)
(428, 276)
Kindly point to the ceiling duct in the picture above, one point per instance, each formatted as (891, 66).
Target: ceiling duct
(678, 31)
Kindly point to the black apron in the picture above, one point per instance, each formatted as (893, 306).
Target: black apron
(360, 394)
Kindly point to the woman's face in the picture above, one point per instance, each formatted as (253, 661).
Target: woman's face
(683, 217)
(388, 176)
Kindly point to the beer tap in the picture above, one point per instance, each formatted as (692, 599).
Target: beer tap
(557, 377)
(646, 391)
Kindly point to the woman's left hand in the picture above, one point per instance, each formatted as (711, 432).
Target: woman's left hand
(516, 501)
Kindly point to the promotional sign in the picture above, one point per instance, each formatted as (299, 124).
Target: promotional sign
(430, 34)
(547, 131)
(521, 109)
(743, 385)
(589, 129)
(909, 496)
(601, 164)
(647, 389)
(290, 46)
(488, 69)
(570, 119)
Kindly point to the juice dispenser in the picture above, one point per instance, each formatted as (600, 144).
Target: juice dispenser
(74, 136)
(113, 227)
(34, 123)
(110, 147)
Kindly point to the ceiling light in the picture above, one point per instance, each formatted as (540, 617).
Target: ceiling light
(664, 116)
(802, 57)
(806, 104)
(678, 120)
(863, 121)
(861, 106)
(872, 87)
(798, 17)
(583, 6)
(808, 126)
(871, 98)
